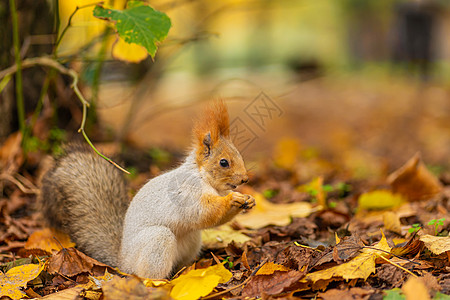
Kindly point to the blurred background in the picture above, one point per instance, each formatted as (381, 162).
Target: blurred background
(352, 86)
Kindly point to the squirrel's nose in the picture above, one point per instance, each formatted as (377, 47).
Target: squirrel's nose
(244, 180)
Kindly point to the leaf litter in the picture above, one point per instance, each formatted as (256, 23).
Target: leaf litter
(329, 237)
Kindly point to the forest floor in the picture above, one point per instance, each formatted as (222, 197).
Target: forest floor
(320, 229)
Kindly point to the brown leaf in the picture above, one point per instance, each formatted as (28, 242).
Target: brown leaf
(71, 262)
(415, 289)
(414, 181)
(274, 284)
(392, 222)
(347, 248)
(129, 288)
(350, 294)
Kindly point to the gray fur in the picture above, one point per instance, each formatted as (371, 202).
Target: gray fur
(86, 197)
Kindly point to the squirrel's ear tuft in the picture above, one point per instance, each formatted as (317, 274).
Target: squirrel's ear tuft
(213, 121)
(207, 144)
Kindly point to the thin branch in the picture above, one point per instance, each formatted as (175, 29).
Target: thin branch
(394, 264)
(48, 62)
(69, 22)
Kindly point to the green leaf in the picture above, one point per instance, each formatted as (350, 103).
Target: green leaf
(440, 296)
(394, 294)
(138, 23)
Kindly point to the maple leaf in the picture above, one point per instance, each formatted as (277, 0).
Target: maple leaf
(16, 278)
(360, 267)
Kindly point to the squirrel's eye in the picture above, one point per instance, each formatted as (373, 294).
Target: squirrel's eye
(224, 163)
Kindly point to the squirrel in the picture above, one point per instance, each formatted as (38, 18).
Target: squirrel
(159, 231)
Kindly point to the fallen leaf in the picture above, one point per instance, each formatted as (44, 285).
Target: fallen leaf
(71, 262)
(380, 199)
(48, 239)
(436, 244)
(199, 283)
(130, 288)
(266, 213)
(392, 222)
(414, 181)
(415, 289)
(272, 284)
(359, 267)
(16, 278)
(67, 294)
(394, 294)
(347, 248)
(286, 153)
(348, 294)
(269, 268)
(220, 237)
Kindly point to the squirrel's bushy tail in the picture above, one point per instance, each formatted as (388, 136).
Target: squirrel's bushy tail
(86, 197)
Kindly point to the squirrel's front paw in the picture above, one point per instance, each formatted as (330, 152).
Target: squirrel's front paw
(242, 201)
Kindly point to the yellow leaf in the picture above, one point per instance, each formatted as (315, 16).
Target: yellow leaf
(360, 266)
(269, 267)
(414, 181)
(16, 278)
(392, 222)
(125, 288)
(380, 199)
(436, 244)
(221, 236)
(266, 213)
(286, 153)
(415, 289)
(199, 283)
(48, 239)
(128, 52)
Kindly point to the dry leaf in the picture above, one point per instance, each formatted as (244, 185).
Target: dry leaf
(380, 199)
(127, 288)
(392, 222)
(16, 278)
(273, 284)
(269, 268)
(199, 283)
(350, 294)
(266, 213)
(67, 294)
(48, 239)
(436, 244)
(415, 289)
(71, 262)
(221, 236)
(414, 181)
(359, 267)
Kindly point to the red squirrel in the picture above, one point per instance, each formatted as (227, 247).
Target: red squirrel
(159, 231)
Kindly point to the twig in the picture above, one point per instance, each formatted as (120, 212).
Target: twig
(19, 184)
(69, 22)
(48, 62)
(399, 257)
(239, 285)
(393, 263)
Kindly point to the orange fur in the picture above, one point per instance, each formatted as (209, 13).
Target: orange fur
(214, 120)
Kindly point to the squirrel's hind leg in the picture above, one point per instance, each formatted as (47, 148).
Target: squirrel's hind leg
(150, 254)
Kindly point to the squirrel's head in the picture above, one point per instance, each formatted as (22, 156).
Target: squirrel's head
(216, 156)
